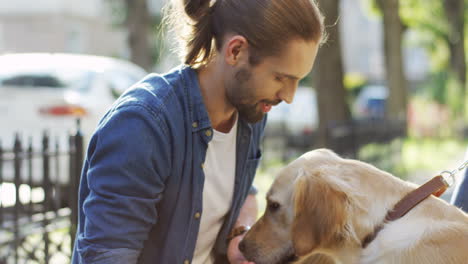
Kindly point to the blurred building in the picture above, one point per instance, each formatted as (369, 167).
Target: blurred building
(76, 26)
(362, 45)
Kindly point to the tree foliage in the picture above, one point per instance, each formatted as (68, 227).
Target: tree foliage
(440, 26)
(430, 21)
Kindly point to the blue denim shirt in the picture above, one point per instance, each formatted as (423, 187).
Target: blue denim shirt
(140, 196)
(460, 195)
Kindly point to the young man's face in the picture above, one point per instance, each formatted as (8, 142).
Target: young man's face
(254, 90)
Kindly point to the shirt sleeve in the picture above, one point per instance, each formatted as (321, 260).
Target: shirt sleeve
(460, 195)
(253, 190)
(128, 160)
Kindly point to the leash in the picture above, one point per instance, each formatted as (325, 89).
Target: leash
(436, 186)
(449, 176)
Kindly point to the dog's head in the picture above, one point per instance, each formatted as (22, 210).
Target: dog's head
(308, 210)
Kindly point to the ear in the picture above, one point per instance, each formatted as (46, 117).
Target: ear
(319, 213)
(236, 50)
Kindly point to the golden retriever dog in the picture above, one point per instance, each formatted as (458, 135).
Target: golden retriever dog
(324, 204)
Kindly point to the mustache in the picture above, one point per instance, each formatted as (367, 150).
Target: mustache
(273, 103)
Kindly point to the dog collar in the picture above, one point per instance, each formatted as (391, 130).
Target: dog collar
(436, 186)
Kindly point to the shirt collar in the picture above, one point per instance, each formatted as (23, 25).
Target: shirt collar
(198, 113)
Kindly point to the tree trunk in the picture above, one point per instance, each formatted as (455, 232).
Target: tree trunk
(454, 10)
(139, 32)
(393, 36)
(328, 75)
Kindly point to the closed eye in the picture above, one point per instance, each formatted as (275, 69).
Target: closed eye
(279, 78)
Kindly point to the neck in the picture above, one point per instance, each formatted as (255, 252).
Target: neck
(222, 114)
(370, 213)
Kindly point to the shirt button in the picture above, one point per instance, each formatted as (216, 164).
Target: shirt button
(186, 261)
(195, 124)
(202, 165)
(197, 215)
(208, 133)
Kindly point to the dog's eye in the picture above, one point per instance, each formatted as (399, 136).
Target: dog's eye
(273, 206)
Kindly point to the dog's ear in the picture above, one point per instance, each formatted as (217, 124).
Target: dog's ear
(319, 213)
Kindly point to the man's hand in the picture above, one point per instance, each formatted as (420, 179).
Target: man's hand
(247, 216)
(233, 253)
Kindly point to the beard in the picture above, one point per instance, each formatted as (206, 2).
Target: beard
(240, 92)
(250, 113)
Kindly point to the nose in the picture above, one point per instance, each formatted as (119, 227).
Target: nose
(242, 246)
(287, 93)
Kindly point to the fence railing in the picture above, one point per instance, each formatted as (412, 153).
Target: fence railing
(346, 138)
(38, 199)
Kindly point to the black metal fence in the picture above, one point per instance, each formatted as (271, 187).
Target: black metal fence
(38, 199)
(347, 138)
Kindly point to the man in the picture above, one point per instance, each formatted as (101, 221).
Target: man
(169, 169)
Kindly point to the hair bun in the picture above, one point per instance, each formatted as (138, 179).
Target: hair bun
(196, 8)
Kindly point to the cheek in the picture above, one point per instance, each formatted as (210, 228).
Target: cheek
(246, 90)
(265, 89)
(275, 228)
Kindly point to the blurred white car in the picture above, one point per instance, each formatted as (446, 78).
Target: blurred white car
(41, 91)
(48, 92)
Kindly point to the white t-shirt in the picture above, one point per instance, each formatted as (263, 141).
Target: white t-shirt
(219, 169)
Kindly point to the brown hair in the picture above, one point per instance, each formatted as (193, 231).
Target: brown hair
(266, 24)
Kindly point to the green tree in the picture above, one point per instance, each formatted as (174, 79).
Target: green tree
(138, 23)
(328, 75)
(393, 41)
(440, 26)
(143, 28)
(454, 10)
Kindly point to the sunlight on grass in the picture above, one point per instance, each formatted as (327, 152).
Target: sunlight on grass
(433, 155)
(59, 248)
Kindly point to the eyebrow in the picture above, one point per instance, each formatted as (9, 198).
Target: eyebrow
(292, 77)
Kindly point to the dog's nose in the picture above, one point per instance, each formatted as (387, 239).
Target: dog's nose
(242, 246)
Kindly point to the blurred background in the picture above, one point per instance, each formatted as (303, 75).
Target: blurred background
(389, 88)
